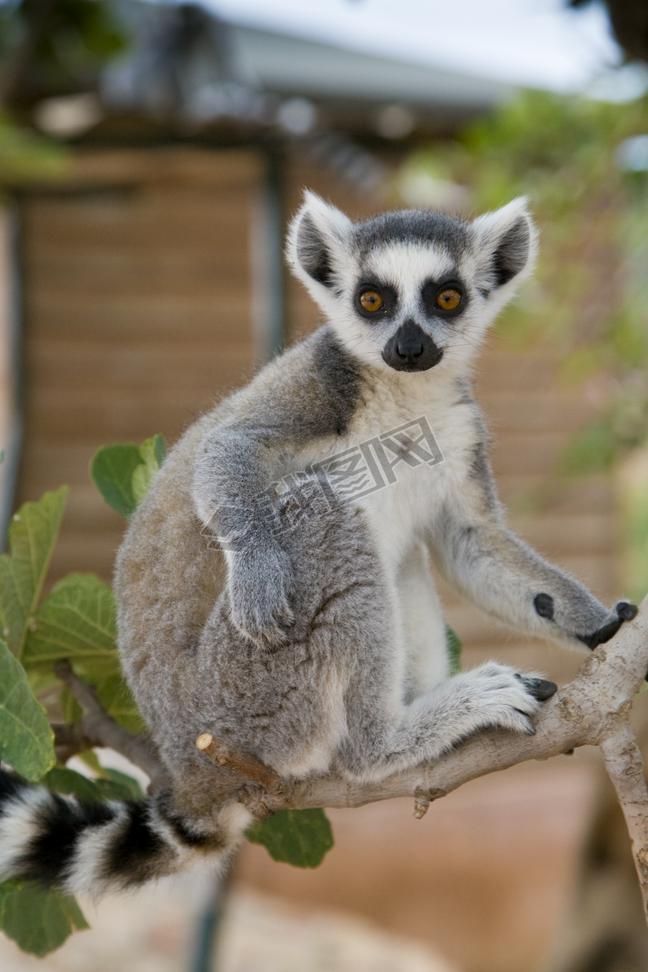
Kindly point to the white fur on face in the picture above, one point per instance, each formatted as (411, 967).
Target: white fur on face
(406, 266)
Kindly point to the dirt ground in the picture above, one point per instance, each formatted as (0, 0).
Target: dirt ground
(262, 934)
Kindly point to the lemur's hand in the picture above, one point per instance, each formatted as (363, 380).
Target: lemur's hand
(602, 624)
(260, 585)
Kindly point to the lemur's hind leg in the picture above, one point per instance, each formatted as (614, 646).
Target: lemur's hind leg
(384, 738)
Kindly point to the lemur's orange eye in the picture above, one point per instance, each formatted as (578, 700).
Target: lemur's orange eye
(448, 299)
(371, 301)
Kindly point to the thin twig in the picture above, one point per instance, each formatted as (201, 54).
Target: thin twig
(247, 766)
(99, 729)
(69, 740)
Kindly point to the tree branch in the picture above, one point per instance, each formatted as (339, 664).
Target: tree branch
(625, 767)
(97, 728)
(593, 709)
(69, 740)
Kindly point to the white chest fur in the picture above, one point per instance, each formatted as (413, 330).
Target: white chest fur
(401, 501)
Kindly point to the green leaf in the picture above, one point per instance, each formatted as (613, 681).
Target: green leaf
(152, 453)
(32, 536)
(454, 650)
(76, 621)
(112, 470)
(298, 837)
(90, 759)
(116, 699)
(70, 708)
(115, 785)
(38, 921)
(26, 739)
(41, 678)
(123, 473)
(65, 780)
(158, 445)
(110, 785)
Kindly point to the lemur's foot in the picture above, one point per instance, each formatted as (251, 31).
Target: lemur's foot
(504, 698)
(622, 611)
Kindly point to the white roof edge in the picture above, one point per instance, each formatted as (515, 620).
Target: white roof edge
(285, 62)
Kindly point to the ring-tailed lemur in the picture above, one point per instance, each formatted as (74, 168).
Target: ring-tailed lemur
(322, 646)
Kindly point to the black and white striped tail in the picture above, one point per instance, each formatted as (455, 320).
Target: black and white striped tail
(89, 847)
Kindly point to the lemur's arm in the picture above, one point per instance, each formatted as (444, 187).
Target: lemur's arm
(307, 394)
(232, 492)
(502, 574)
(232, 475)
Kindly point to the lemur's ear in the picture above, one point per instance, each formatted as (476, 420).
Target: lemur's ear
(317, 238)
(506, 243)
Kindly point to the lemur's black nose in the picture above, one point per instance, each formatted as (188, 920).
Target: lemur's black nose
(411, 349)
(409, 341)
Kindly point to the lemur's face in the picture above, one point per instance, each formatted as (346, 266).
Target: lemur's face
(411, 290)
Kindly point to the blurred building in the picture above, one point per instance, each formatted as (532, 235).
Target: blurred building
(148, 278)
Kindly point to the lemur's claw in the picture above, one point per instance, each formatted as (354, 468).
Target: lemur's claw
(623, 611)
(530, 730)
(540, 688)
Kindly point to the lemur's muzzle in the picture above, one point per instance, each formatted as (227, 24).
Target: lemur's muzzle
(411, 349)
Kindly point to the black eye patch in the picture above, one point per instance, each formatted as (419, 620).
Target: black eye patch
(438, 297)
(387, 294)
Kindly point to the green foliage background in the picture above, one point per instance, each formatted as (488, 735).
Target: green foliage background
(75, 622)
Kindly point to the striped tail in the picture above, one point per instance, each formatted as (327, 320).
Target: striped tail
(86, 847)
